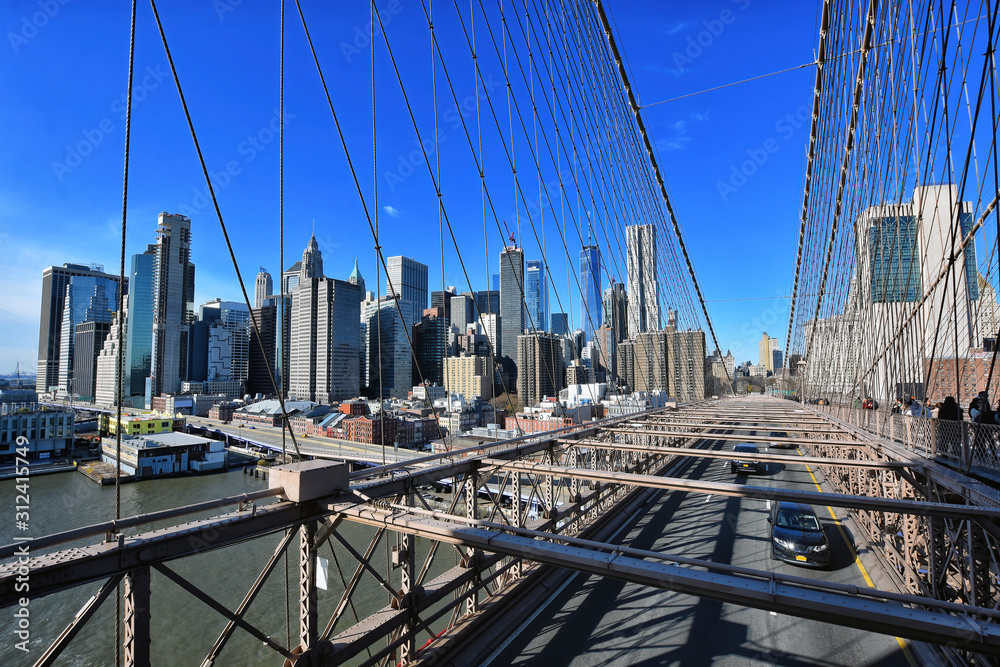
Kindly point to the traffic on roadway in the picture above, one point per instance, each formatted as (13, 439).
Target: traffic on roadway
(603, 621)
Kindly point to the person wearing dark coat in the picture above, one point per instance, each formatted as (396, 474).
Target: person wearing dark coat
(950, 410)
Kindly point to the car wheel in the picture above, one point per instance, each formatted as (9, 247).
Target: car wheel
(732, 468)
(774, 556)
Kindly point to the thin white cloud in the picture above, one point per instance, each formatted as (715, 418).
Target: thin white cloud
(391, 210)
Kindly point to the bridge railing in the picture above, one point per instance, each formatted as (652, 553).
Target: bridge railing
(967, 443)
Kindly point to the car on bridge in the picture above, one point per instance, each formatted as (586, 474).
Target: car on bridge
(780, 440)
(797, 536)
(748, 464)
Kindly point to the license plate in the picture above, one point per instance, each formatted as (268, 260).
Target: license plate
(746, 465)
(802, 558)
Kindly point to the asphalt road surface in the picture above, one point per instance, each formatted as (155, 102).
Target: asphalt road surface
(598, 621)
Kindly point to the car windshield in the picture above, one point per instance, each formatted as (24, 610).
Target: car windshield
(746, 449)
(797, 521)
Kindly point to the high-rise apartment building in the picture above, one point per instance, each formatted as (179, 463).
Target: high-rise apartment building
(766, 347)
(173, 303)
(263, 287)
(469, 376)
(54, 282)
(541, 371)
(536, 295)
(590, 290)
(511, 300)
(107, 378)
(643, 285)
(407, 278)
(686, 364)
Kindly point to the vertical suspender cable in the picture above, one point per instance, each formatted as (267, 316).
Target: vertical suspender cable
(656, 168)
(120, 361)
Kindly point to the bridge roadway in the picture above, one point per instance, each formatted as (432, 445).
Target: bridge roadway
(320, 447)
(603, 621)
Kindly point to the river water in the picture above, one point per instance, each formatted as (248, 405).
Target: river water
(183, 628)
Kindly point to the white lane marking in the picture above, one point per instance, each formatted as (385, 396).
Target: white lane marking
(768, 504)
(709, 498)
(774, 613)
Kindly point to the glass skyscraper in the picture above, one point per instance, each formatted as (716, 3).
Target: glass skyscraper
(139, 324)
(87, 299)
(590, 290)
(536, 295)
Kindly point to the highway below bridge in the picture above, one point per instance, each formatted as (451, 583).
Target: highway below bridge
(636, 544)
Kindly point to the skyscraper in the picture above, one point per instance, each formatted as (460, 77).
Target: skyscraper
(234, 318)
(54, 282)
(488, 301)
(139, 332)
(173, 303)
(324, 360)
(107, 378)
(540, 370)
(560, 324)
(766, 348)
(511, 301)
(88, 299)
(430, 343)
(263, 350)
(390, 362)
(643, 285)
(615, 310)
(355, 278)
(263, 287)
(590, 290)
(536, 295)
(407, 278)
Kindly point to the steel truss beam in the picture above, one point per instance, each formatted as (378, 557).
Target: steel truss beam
(763, 593)
(60, 570)
(729, 437)
(66, 636)
(711, 454)
(764, 493)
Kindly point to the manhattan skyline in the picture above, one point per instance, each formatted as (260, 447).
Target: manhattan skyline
(80, 206)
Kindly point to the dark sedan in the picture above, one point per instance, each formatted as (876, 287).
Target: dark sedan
(749, 463)
(797, 535)
(780, 440)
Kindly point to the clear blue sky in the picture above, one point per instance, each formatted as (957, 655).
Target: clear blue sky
(63, 74)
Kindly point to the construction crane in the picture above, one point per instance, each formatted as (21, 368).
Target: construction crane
(510, 234)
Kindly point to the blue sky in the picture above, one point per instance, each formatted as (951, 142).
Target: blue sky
(63, 74)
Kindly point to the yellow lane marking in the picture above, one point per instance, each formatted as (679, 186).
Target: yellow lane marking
(903, 644)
